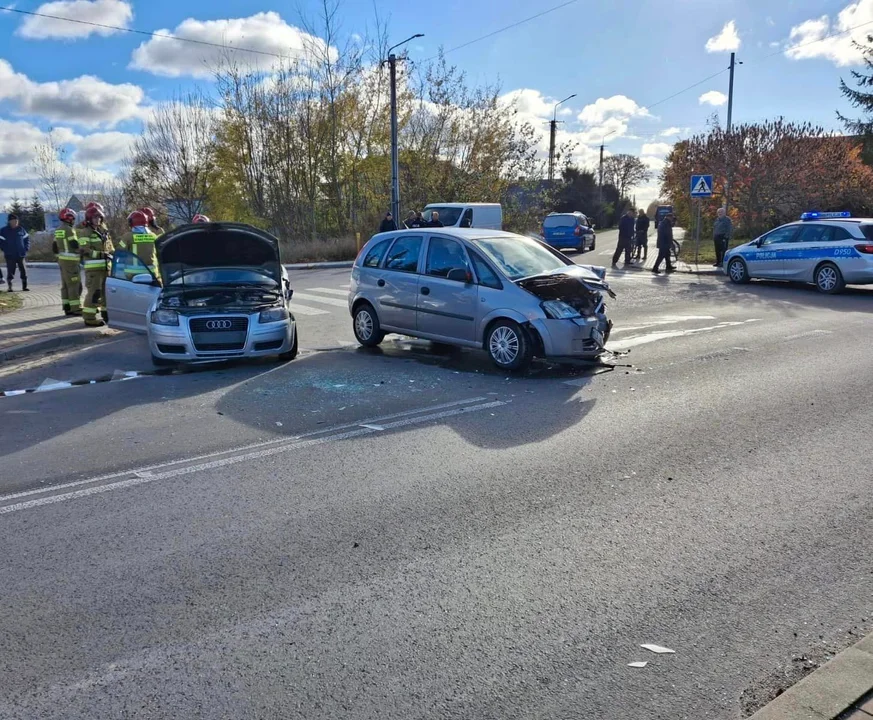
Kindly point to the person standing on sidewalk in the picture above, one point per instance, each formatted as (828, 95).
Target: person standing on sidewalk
(15, 243)
(642, 236)
(66, 250)
(721, 234)
(625, 238)
(387, 224)
(665, 244)
(96, 248)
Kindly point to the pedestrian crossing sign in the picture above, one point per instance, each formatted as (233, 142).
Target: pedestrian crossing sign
(701, 186)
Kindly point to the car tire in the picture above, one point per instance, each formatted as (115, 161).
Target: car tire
(737, 271)
(162, 362)
(292, 353)
(508, 345)
(828, 279)
(365, 325)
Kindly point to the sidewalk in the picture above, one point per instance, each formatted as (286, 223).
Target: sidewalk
(40, 325)
(840, 690)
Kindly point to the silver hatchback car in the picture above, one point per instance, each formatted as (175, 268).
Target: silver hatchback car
(513, 296)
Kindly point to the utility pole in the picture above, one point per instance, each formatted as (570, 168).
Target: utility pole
(602, 146)
(553, 129)
(395, 152)
(730, 114)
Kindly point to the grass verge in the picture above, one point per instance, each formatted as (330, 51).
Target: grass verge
(334, 250)
(9, 302)
(707, 250)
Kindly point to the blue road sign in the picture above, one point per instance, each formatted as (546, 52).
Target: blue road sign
(701, 186)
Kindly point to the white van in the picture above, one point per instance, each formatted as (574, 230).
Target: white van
(468, 215)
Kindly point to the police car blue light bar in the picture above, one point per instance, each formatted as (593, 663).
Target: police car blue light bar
(825, 215)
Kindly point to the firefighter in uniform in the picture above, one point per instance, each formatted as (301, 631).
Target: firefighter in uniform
(96, 247)
(140, 241)
(152, 221)
(198, 218)
(66, 250)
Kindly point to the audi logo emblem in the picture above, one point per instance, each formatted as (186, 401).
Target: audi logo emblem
(219, 324)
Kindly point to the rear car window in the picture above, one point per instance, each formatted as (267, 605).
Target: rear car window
(444, 255)
(404, 253)
(815, 233)
(375, 254)
(868, 231)
(559, 221)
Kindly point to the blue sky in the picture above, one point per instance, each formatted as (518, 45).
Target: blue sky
(620, 58)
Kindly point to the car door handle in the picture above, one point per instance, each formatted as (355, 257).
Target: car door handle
(380, 282)
(425, 291)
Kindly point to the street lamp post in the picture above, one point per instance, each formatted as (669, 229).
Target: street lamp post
(395, 154)
(602, 146)
(553, 127)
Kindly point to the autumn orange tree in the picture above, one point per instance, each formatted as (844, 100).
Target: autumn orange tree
(777, 170)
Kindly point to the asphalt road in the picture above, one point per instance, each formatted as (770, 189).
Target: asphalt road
(405, 534)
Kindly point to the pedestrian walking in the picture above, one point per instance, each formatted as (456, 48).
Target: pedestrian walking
(435, 220)
(387, 224)
(625, 239)
(665, 244)
(721, 234)
(15, 244)
(642, 236)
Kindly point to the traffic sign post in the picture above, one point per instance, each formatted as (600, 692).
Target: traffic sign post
(701, 187)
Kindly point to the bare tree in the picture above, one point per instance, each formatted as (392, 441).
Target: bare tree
(171, 162)
(57, 179)
(625, 172)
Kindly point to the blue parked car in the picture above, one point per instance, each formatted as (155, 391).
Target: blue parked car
(569, 231)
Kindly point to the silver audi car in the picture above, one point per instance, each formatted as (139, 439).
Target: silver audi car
(513, 296)
(224, 294)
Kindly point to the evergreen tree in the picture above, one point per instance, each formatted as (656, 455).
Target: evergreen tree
(17, 208)
(36, 215)
(860, 97)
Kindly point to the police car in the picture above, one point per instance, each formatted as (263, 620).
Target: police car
(828, 249)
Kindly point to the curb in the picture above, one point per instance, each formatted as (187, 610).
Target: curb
(16, 352)
(291, 266)
(841, 688)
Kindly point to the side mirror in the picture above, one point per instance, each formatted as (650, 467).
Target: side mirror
(460, 275)
(143, 279)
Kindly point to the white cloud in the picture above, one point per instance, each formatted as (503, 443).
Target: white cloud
(671, 131)
(617, 106)
(100, 149)
(104, 12)
(726, 41)
(713, 97)
(653, 163)
(810, 39)
(85, 100)
(656, 148)
(17, 142)
(265, 32)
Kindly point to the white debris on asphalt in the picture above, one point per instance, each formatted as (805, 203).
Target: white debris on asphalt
(372, 427)
(637, 664)
(659, 649)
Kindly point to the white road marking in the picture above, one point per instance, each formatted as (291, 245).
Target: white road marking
(667, 334)
(666, 320)
(305, 309)
(318, 299)
(345, 286)
(252, 446)
(330, 291)
(143, 478)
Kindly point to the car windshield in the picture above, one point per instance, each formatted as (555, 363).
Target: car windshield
(223, 276)
(559, 221)
(519, 257)
(448, 215)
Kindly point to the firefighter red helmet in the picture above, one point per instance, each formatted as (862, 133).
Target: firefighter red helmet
(92, 205)
(94, 213)
(149, 213)
(67, 215)
(137, 218)
(198, 218)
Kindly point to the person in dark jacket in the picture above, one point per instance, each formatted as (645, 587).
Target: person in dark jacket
(625, 239)
(417, 221)
(665, 244)
(15, 244)
(387, 224)
(641, 242)
(435, 220)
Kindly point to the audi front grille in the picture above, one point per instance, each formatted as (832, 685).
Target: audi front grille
(218, 334)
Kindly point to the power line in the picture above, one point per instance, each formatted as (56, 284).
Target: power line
(134, 31)
(504, 29)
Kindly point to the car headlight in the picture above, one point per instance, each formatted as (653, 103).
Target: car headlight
(558, 310)
(273, 315)
(165, 317)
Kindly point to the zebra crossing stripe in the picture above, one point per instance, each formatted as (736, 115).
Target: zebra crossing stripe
(329, 291)
(305, 309)
(306, 297)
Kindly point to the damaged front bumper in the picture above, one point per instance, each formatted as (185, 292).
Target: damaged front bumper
(575, 338)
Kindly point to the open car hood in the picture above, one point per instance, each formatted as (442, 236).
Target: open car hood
(190, 248)
(590, 276)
